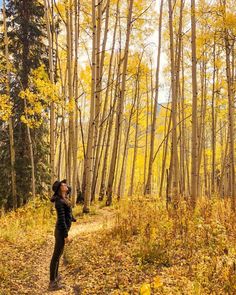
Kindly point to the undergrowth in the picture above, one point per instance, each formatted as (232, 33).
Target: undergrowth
(149, 250)
(194, 251)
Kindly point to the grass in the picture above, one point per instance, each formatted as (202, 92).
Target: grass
(197, 248)
(157, 251)
(149, 248)
(34, 221)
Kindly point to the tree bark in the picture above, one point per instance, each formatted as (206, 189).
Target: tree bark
(120, 106)
(89, 153)
(10, 121)
(174, 169)
(194, 169)
(52, 104)
(148, 187)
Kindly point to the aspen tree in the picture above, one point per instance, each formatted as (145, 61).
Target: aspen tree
(178, 57)
(70, 91)
(120, 106)
(51, 75)
(31, 155)
(89, 153)
(228, 51)
(98, 92)
(76, 89)
(213, 116)
(137, 99)
(111, 119)
(108, 88)
(174, 169)
(125, 153)
(146, 137)
(194, 162)
(148, 188)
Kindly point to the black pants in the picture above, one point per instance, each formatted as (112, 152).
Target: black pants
(58, 250)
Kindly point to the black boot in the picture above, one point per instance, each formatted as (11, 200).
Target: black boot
(55, 285)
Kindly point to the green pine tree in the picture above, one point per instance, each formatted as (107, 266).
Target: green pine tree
(26, 31)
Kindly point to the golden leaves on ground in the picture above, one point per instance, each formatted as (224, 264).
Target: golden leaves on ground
(157, 282)
(150, 288)
(145, 289)
(147, 252)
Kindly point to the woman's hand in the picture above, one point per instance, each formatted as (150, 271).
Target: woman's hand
(68, 239)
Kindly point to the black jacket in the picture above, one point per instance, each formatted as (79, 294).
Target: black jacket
(64, 215)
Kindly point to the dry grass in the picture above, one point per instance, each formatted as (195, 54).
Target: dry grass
(135, 247)
(194, 252)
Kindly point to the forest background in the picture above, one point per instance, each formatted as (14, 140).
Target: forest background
(133, 102)
(118, 98)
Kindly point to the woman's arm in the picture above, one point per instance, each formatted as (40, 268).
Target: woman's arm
(73, 219)
(61, 218)
(71, 216)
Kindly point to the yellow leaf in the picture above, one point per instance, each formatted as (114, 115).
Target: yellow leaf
(157, 283)
(145, 289)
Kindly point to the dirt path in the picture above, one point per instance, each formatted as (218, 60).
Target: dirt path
(103, 219)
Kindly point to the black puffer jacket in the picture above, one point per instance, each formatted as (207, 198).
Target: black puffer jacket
(64, 215)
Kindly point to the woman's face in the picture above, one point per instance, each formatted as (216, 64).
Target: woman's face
(63, 187)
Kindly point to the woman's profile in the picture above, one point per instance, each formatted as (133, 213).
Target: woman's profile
(64, 218)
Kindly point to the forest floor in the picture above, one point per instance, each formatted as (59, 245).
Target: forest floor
(92, 263)
(37, 261)
(135, 248)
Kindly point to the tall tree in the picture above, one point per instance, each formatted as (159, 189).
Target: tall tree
(26, 30)
(174, 165)
(229, 51)
(194, 176)
(120, 105)
(50, 32)
(148, 187)
(11, 132)
(88, 167)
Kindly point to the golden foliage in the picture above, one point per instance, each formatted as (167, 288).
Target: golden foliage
(5, 107)
(38, 97)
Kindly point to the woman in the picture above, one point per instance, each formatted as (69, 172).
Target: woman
(63, 224)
